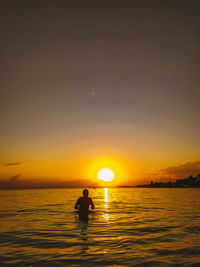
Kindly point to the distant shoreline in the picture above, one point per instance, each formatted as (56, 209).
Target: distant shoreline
(138, 187)
(190, 182)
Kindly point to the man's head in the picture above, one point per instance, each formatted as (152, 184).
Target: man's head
(85, 193)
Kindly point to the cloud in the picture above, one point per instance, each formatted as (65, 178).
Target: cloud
(15, 183)
(15, 177)
(12, 164)
(183, 170)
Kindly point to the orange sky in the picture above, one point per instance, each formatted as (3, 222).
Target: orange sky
(127, 172)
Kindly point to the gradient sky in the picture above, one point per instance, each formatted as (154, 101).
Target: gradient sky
(83, 81)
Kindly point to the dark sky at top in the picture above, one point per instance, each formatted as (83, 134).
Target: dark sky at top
(140, 58)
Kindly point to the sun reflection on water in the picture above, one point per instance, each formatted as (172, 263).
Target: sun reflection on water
(106, 194)
(106, 217)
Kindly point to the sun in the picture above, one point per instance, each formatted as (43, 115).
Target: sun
(106, 174)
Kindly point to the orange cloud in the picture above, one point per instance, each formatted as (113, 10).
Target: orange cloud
(12, 164)
(183, 170)
(15, 177)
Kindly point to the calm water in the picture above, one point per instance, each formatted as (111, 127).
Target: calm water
(133, 226)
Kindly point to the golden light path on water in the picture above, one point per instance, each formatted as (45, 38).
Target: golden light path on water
(106, 194)
(105, 215)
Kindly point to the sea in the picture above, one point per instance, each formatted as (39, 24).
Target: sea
(129, 227)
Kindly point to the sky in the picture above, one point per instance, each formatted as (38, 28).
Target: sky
(93, 84)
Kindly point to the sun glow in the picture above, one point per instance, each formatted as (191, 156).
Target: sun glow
(106, 171)
(106, 174)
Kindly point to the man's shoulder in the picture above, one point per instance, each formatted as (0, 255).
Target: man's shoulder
(83, 198)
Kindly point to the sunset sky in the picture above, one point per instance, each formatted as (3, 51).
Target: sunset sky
(87, 85)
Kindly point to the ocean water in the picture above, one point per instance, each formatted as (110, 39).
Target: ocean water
(129, 227)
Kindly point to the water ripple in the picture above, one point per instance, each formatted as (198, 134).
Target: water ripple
(133, 227)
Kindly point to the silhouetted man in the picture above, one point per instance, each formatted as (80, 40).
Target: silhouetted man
(83, 204)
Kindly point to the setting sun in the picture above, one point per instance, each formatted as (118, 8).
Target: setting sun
(106, 171)
(106, 175)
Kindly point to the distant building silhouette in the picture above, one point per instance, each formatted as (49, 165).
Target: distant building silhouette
(179, 183)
